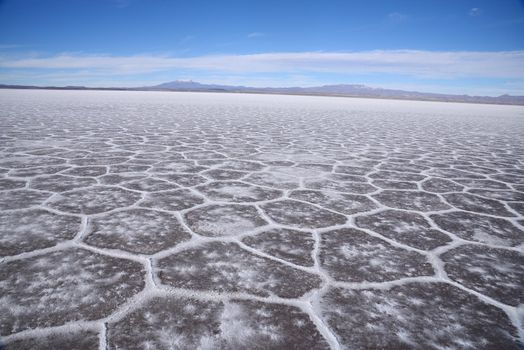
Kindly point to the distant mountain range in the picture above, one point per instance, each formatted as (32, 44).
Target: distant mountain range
(346, 90)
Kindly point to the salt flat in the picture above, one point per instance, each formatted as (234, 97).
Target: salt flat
(152, 220)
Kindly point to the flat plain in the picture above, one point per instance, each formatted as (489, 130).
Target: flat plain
(156, 220)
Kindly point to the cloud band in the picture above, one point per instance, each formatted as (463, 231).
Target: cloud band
(417, 63)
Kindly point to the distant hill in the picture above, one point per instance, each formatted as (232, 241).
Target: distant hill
(347, 90)
(350, 90)
(193, 85)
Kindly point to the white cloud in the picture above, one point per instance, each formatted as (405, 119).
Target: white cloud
(187, 39)
(415, 63)
(255, 35)
(397, 17)
(121, 3)
(475, 11)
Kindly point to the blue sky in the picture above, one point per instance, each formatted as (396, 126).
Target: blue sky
(454, 46)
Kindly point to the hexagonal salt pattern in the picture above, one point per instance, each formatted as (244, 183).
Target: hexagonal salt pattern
(140, 231)
(299, 214)
(405, 227)
(497, 273)
(63, 286)
(166, 323)
(224, 220)
(93, 200)
(20, 199)
(171, 200)
(226, 267)
(416, 316)
(136, 220)
(234, 191)
(354, 256)
(291, 245)
(469, 202)
(480, 228)
(30, 229)
(341, 202)
(60, 183)
(411, 200)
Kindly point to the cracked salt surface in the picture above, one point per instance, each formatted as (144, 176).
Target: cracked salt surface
(226, 221)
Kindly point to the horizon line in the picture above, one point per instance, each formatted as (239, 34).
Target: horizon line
(517, 100)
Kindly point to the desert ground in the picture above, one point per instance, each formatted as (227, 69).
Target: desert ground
(158, 220)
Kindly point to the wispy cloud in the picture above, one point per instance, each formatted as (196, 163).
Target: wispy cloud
(397, 17)
(121, 3)
(415, 63)
(474, 12)
(186, 39)
(255, 35)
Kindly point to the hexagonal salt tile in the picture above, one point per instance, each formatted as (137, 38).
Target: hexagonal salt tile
(345, 203)
(297, 171)
(476, 169)
(454, 173)
(225, 267)
(398, 176)
(399, 162)
(240, 165)
(509, 178)
(63, 286)
(407, 228)
(235, 324)
(93, 200)
(223, 174)
(299, 214)
(437, 185)
(86, 171)
(11, 184)
(30, 172)
(128, 168)
(203, 155)
(498, 273)
(149, 185)
(480, 228)
(116, 179)
(486, 184)
(276, 180)
(416, 316)
(352, 170)
(19, 199)
(234, 191)
(470, 202)
(346, 178)
(171, 200)
(31, 229)
(500, 195)
(30, 162)
(60, 183)
(411, 200)
(140, 231)
(291, 245)
(394, 185)
(354, 256)
(329, 185)
(97, 160)
(184, 180)
(224, 220)
(180, 166)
